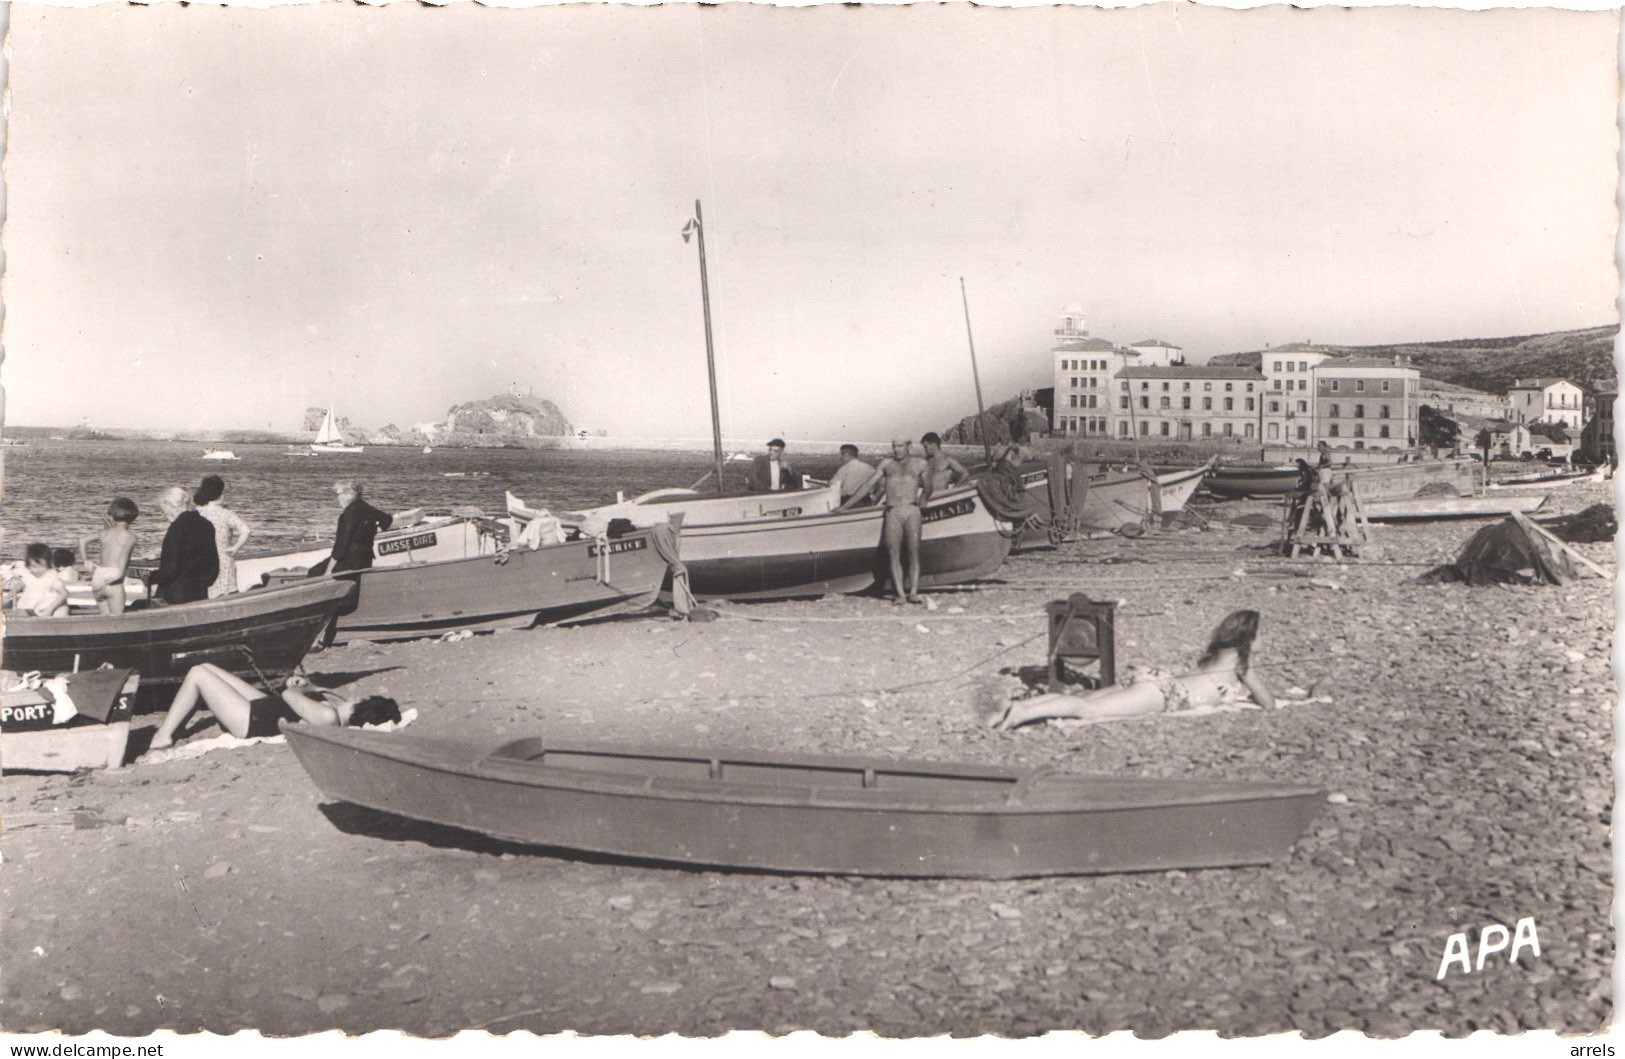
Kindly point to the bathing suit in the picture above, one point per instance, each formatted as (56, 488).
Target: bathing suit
(263, 715)
(1175, 694)
(103, 576)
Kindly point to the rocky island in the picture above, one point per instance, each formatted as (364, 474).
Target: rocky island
(505, 420)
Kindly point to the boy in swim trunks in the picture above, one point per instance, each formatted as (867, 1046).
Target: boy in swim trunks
(907, 481)
(117, 541)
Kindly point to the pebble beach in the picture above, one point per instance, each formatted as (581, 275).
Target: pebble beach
(1463, 735)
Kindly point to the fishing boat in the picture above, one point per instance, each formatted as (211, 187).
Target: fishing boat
(810, 555)
(1440, 508)
(411, 538)
(1111, 501)
(75, 721)
(572, 581)
(1383, 481)
(1550, 481)
(253, 634)
(807, 813)
(219, 454)
(692, 508)
(330, 440)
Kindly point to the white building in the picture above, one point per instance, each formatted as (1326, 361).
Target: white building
(1184, 402)
(1084, 367)
(1289, 393)
(1154, 352)
(1548, 400)
(1366, 403)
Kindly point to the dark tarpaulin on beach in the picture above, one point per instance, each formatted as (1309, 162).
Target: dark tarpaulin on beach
(1505, 553)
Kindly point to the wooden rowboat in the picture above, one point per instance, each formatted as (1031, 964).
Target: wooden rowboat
(1440, 508)
(802, 813)
(266, 632)
(1115, 500)
(34, 734)
(810, 555)
(557, 582)
(410, 539)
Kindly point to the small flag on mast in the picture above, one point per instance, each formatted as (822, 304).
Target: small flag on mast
(690, 228)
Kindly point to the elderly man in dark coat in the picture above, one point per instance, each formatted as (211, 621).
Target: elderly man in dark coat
(189, 561)
(359, 523)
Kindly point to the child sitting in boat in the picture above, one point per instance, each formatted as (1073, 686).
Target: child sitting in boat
(1223, 675)
(62, 561)
(117, 541)
(248, 713)
(36, 588)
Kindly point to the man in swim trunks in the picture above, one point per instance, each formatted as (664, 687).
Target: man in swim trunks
(117, 540)
(907, 482)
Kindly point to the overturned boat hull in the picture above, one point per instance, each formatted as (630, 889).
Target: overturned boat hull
(804, 813)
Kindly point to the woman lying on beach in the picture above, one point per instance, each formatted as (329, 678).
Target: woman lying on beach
(248, 713)
(1223, 675)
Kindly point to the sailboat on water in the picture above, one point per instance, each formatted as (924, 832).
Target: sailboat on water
(329, 439)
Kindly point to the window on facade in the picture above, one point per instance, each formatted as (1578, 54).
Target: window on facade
(1072, 400)
(1359, 430)
(1385, 386)
(1289, 365)
(1123, 402)
(1145, 402)
(1334, 386)
(1185, 386)
(1359, 411)
(1249, 387)
(1249, 404)
(1277, 383)
(1248, 430)
(1207, 386)
(1185, 403)
(1332, 430)
(1275, 366)
(1229, 404)
(1145, 386)
(1229, 386)
(1207, 404)
(1303, 365)
(1303, 433)
(1145, 428)
(1122, 430)
(1303, 406)
(1382, 431)
(1165, 426)
(1274, 431)
(1229, 430)
(1382, 413)
(1165, 387)
(1275, 406)
(1359, 386)
(1303, 384)
(1332, 411)
(1162, 403)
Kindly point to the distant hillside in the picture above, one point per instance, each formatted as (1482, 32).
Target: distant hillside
(1584, 357)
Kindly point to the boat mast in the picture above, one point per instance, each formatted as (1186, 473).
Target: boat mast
(981, 427)
(698, 227)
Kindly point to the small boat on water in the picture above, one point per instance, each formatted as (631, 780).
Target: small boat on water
(572, 581)
(219, 454)
(263, 633)
(75, 721)
(1440, 508)
(807, 813)
(330, 440)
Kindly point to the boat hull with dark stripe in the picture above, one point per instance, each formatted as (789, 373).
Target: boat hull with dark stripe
(265, 632)
(785, 558)
(804, 813)
(557, 582)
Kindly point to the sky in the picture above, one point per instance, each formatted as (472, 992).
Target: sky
(219, 217)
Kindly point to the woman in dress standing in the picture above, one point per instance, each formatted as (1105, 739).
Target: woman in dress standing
(230, 532)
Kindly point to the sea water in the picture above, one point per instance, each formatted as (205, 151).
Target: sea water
(56, 490)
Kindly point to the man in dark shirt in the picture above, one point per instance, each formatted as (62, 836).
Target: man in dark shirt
(358, 525)
(770, 473)
(189, 562)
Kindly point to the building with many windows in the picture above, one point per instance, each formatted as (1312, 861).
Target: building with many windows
(1084, 367)
(1185, 402)
(1156, 351)
(1366, 403)
(1548, 401)
(1289, 393)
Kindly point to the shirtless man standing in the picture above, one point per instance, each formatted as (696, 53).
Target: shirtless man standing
(945, 470)
(907, 486)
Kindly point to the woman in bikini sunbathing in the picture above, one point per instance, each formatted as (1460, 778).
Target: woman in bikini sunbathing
(1223, 675)
(247, 713)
